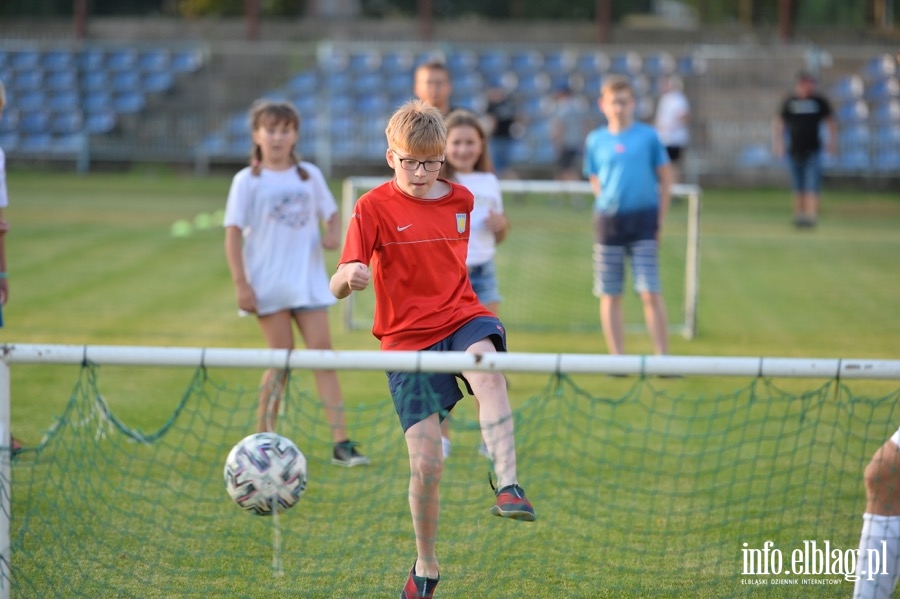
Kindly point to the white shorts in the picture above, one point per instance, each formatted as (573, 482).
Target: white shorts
(896, 438)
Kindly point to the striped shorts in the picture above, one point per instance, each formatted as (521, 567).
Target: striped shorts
(609, 267)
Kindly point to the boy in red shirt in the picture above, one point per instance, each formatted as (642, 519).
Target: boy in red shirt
(414, 231)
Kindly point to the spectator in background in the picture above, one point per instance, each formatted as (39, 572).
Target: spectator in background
(672, 122)
(502, 115)
(799, 126)
(629, 173)
(431, 84)
(569, 126)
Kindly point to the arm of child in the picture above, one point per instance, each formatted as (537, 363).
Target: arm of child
(331, 239)
(499, 224)
(664, 176)
(349, 277)
(246, 299)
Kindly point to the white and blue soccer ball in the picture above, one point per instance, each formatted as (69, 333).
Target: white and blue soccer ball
(265, 472)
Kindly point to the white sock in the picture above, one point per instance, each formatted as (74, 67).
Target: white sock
(445, 445)
(880, 540)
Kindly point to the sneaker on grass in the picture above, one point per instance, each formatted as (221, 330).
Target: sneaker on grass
(345, 454)
(511, 503)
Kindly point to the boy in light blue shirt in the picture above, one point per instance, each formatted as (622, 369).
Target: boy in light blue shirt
(630, 175)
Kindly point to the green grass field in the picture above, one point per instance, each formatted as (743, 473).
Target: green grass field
(644, 488)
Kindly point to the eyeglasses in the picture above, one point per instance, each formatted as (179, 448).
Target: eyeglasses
(411, 164)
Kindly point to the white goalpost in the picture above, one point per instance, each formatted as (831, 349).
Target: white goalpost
(686, 325)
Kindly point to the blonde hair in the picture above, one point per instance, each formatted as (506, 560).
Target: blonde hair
(615, 84)
(417, 128)
(266, 112)
(465, 118)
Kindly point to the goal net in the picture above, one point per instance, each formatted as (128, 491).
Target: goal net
(643, 486)
(549, 247)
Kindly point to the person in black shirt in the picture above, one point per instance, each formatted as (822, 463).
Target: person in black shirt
(798, 127)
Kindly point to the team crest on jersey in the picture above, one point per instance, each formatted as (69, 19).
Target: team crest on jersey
(461, 222)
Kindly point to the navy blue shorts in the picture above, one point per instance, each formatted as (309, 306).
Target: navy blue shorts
(418, 395)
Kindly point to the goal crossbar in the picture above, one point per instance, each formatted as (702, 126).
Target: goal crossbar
(412, 361)
(352, 186)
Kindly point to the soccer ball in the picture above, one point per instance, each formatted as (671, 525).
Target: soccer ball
(265, 472)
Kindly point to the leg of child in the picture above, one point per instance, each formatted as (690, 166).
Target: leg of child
(657, 323)
(276, 329)
(426, 465)
(495, 416)
(879, 544)
(314, 328)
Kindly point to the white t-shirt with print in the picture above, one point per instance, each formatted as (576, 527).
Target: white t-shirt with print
(486, 189)
(280, 216)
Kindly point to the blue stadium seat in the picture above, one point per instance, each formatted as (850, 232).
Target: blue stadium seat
(626, 63)
(368, 83)
(533, 84)
(847, 89)
(66, 123)
(92, 81)
(341, 104)
(371, 105)
(9, 121)
(755, 156)
(397, 62)
(852, 112)
(58, 60)
(886, 113)
(526, 62)
(306, 104)
(689, 65)
(365, 61)
(36, 143)
(155, 82)
(238, 124)
(592, 63)
(854, 135)
(399, 83)
(61, 80)
(31, 100)
(63, 100)
(97, 101)
(9, 141)
(853, 161)
(4, 59)
(882, 90)
(91, 59)
(476, 102)
(461, 62)
(304, 82)
(337, 81)
(887, 161)
(659, 64)
(122, 59)
(345, 148)
(469, 82)
(535, 106)
(343, 126)
(34, 121)
(491, 62)
(129, 102)
(212, 145)
(100, 121)
(154, 60)
(68, 144)
(887, 136)
(878, 67)
(28, 80)
(125, 81)
(25, 60)
(559, 63)
(187, 61)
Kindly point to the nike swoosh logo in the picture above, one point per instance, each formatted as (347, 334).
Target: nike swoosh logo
(399, 228)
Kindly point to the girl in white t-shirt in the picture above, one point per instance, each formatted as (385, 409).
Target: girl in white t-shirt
(467, 161)
(275, 213)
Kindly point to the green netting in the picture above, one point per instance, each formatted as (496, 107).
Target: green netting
(649, 491)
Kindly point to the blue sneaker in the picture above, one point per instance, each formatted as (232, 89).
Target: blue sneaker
(419, 587)
(511, 503)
